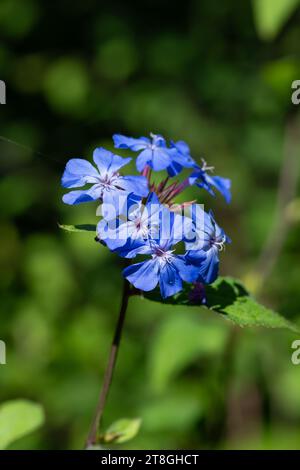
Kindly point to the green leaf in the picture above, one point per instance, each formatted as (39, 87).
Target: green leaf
(229, 297)
(78, 228)
(271, 15)
(121, 431)
(18, 418)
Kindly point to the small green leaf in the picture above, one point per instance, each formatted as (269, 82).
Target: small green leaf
(78, 228)
(229, 297)
(18, 418)
(121, 431)
(270, 16)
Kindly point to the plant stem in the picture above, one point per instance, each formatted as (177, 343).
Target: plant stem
(92, 437)
(287, 190)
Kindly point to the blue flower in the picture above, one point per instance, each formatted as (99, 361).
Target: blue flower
(137, 223)
(140, 218)
(156, 154)
(164, 268)
(206, 181)
(181, 158)
(154, 151)
(204, 250)
(106, 182)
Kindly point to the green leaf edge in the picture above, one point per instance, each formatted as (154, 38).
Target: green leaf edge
(78, 228)
(115, 436)
(242, 296)
(39, 419)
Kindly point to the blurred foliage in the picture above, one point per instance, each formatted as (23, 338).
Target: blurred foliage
(271, 15)
(18, 418)
(76, 72)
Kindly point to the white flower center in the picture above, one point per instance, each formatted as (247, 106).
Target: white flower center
(141, 227)
(162, 256)
(205, 167)
(220, 244)
(107, 182)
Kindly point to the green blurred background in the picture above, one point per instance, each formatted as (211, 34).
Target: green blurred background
(218, 75)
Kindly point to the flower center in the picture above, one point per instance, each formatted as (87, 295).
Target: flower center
(107, 181)
(142, 227)
(219, 243)
(162, 256)
(205, 167)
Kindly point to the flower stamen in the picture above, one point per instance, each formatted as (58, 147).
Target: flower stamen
(205, 167)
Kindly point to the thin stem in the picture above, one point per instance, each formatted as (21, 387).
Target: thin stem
(147, 172)
(287, 190)
(92, 437)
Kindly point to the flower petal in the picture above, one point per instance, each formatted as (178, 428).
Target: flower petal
(222, 185)
(181, 146)
(107, 161)
(123, 142)
(76, 197)
(209, 269)
(174, 169)
(143, 159)
(143, 275)
(78, 172)
(114, 200)
(161, 159)
(188, 272)
(134, 184)
(181, 158)
(134, 247)
(169, 281)
(207, 182)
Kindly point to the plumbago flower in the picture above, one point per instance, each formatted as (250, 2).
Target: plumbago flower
(202, 179)
(107, 184)
(134, 223)
(139, 222)
(164, 268)
(209, 240)
(169, 248)
(140, 217)
(155, 153)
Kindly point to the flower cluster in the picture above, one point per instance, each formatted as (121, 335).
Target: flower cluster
(178, 242)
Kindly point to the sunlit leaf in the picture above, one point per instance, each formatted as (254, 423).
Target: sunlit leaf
(78, 228)
(229, 297)
(270, 16)
(18, 418)
(121, 431)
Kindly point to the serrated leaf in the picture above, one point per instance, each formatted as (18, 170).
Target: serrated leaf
(270, 16)
(121, 431)
(78, 228)
(229, 297)
(18, 418)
